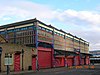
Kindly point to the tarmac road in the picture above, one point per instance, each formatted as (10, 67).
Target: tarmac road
(63, 71)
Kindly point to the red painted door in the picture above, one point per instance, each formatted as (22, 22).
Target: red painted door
(62, 61)
(44, 59)
(77, 60)
(87, 61)
(17, 62)
(69, 61)
(82, 61)
(33, 63)
(59, 61)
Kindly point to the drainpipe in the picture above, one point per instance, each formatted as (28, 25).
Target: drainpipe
(65, 63)
(22, 59)
(14, 35)
(74, 55)
(80, 60)
(36, 41)
(53, 60)
(6, 34)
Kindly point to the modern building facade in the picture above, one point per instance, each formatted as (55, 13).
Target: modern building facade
(31, 44)
(95, 58)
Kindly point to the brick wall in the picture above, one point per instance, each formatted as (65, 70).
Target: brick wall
(12, 48)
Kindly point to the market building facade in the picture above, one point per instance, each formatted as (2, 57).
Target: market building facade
(31, 44)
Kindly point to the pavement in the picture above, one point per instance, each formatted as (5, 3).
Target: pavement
(75, 70)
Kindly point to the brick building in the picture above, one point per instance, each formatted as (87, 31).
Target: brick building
(31, 44)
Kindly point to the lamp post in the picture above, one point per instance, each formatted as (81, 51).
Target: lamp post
(22, 58)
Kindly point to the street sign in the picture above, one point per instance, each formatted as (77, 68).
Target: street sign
(8, 61)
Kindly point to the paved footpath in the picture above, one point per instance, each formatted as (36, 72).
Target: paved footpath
(60, 71)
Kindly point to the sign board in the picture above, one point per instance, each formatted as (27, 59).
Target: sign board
(8, 61)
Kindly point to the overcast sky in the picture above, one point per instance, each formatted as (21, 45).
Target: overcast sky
(78, 17)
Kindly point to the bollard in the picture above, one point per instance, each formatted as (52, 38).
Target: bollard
(86, 66)
(92, 67)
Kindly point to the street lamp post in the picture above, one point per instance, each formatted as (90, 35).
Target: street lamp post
(22, 58)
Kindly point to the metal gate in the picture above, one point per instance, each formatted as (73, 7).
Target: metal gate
(17, 62)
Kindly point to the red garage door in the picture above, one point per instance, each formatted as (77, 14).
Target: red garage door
(77, 60)
(87, 60)
(69, 62)
(44, 59)
(17, 62)
(33, 63)
(59, 61)
(82, 61)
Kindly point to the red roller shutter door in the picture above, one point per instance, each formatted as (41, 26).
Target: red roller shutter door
(44, 59)
(17, 62)
(33, 63)
(59, 61)
(77, 60)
